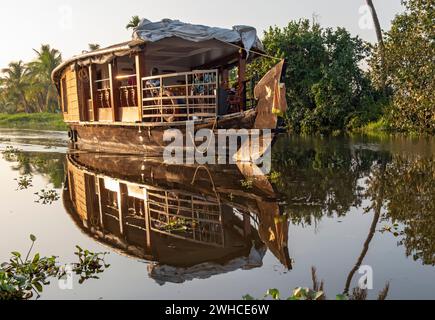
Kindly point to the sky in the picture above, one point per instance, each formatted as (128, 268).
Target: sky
(70, 25)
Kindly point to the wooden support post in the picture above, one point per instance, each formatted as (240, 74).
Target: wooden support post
(80, 95)
(140, 73)
(90, 192)
(242, 79)
(114, 90)
(102, 199)
(93, 92)
(147, 219)
(246, 224)
(123, 208)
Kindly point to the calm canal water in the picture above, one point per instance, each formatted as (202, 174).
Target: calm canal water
(216, 232)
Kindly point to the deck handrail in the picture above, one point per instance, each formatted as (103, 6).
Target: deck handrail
(176, 74)
(188, 99)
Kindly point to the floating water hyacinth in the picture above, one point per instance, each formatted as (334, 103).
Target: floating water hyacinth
(22, 278)
(47, 196)
(24, 182)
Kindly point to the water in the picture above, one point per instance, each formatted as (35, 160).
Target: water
(342, 198)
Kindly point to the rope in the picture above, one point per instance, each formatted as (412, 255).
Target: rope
(211, 180)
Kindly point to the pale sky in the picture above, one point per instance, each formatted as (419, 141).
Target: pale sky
(69, 25)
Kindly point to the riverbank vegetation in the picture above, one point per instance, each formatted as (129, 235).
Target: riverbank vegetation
(317, 292)
(39, 121)
(27, 87)
(335, 82)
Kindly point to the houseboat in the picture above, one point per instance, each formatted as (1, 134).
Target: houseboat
(187, 221)
(122, 98)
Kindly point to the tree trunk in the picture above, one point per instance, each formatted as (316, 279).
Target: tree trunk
(376, 216)
(26, 104)
(380, 43)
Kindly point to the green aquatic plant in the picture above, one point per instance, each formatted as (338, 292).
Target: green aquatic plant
(247, 184)
(21, 278)
(90, 264)
(47, 196)
(177, 224)
(317, 292)
(298, 294)
(275, 177)
(393, 229)
(24, 182)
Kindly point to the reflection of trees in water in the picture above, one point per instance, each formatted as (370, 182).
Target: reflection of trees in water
(319, 177)
(322, 177)
(409, 199)
(49, 165)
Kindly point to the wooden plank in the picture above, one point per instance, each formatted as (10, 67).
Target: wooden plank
(114, 101)
(123, 208)
(102, 200)
(140, 73)
(82, 104)
(242, 79)
(246, 224)
(147, 218)
(93, 90)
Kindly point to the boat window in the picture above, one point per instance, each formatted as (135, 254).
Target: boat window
(127, 82)
(102, 83)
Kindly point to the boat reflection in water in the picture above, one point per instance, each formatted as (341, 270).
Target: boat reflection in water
(188, 221)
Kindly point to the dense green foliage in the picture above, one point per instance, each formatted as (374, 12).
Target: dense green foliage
(28, 87)
(410, 67)
(326, 88)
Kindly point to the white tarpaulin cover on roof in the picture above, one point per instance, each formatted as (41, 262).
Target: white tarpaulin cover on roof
(164, 273)
(155, 31)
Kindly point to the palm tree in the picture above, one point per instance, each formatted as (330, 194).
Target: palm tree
(16, 81)
(134, 22)
(93, 46)
(380, 41)
(6, 105)
(40, 70)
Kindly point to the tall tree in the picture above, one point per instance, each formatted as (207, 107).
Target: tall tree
(16, 81)
(381, 45)
(94, 46)
(326, 88)
(40, 69)
(409, 57)
(133, 23)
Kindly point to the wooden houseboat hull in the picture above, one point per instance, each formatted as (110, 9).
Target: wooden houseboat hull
(146, 138)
